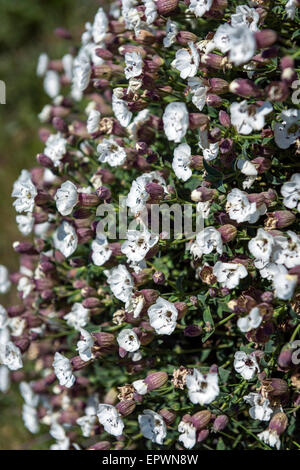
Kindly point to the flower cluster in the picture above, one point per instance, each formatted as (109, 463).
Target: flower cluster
(148, 339)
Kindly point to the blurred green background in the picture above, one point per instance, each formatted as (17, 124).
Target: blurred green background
(26, 30)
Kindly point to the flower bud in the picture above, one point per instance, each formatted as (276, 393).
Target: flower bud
(192, 331)
(126, 407)
(277, 91)
(228, 232)
(220, 423)
(63, 33)
(276, 387)
(103, 192)
(102, 445)
(91, 302)
(78, 363)
(285, 358)
(224, 119)
(197, 162)
(201, 419)
(278, 423)
(165, 7)
(213, 100)
(156, 380)
(22, 343)
(158, 277)
(88, 200)
(156, 191)
(279, 219)
(104, 339)
(198, 120)
(218, 86)
(60, 125)
(169, 416)
(244, 87)
(202, 435)
(265, 38)
(184, 37)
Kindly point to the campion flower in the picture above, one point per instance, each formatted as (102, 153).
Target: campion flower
(239, 207)
(162, 316)
(30, 418)
(198, 91)
(120, 282)
(288, 131)
(251, 321)
(150, 11)
(81, 74)
(128, 340)
(176, 121)
(207, 240)
(135, 304)
(248, 118)
(10, 355)
(245, 16)
(261, 246)
(25, 192)
(245, 365)
(62, 441)
(187, 434)
(4, 280)
(229, 274)
(200, 7)
(78, 317)
(187, 61)
(3, 317)
(152, 426)
(87, 424)
(140, 386)
(4, 379)
(110, 152)
(65, 239)
(93, 121)
(202, 389)
(28, 395)
(84, 345)
(291, 192)
(288, 250)
(25, 223)
(52, 83)
(260, 407)
(110, 419)
(270, 437)
(56, 147)
(134, 64)
(121, 111)
(284, 285)
(100, 250)
(210, 150)
(63, 370)
(138, 196)
(290, 8)
(181, 162)
(138, 243)
(100, 26)
(171, 33)
(66, 198)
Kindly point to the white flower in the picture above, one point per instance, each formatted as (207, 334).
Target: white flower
(187, 61)
(128, 340)
(134, 64)
(181, 162)
(245, 364)
(198, 91)
(81, 73)
(247, 168)
(152, 426)
(78, 317)
(42, 64)
(110, 419)
(241, 209)
(163, 316)
(4, 279)
(247, 118)
(251, 321)
(4, 379)
(262, 245)
(140, 387)
(200, 7)
(221, 40)
(291, 192)
(210, 150)
(84, 346)
(131, 15)
(3, 317)
(66, 198)
(17, 325)
(288, 250)
(207, 240)
(138, 244)
(203, 209)
(58, 433)
(10, 355)
(260, 407)
(245, 16)
(135, 304)
(284, 285)
(65, 239)
(121, 111)
(270, 437)
(52, 83)
(171, 33)
(187, 434)
(25, 285)
(176, 121)
(138, 196)
(202, 389)
(25, 223)
(63, 370)
(93, 120)
(288, 131)
(110, 152)
(229, 274)
(67, 62)
(100, 26)
(87, 424)
(290, 8)
(140, 119)
(270, 270)
(28, 395)
(100, 250)
(120, 282)
(30, 418)
(56, 147)
(25, 191)
(150, 11)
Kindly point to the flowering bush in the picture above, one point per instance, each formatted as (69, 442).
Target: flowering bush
(150, 339)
